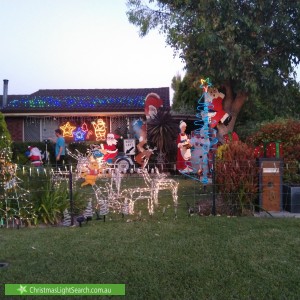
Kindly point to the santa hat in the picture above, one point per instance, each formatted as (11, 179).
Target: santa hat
(113, 136)
(182, 124)
(154, 100)
(30, 147)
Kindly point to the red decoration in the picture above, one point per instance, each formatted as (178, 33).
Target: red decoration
(259, 151)
(217, 114)
(152, 104)
(231, 137)
(269, 150)
(110, 148)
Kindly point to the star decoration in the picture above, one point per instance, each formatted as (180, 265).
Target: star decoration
(22, 289)
(67, 129)
(79, 134)
(205, 84)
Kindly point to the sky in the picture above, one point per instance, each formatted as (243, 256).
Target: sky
(79, 44)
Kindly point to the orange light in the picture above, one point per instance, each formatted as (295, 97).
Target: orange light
(100, 129)
(67, 129)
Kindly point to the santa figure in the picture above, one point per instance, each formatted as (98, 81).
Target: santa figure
(217, 114)
(152, 104)
(110, 149)
(35, 156)
(183, 151)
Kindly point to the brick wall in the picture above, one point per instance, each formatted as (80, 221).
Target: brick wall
(15, 127)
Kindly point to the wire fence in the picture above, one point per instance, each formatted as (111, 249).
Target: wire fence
(60, 196)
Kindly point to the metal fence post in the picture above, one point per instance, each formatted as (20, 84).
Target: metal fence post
(71, 197)
(213, 211)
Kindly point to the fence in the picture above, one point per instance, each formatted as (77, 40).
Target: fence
(45, 195)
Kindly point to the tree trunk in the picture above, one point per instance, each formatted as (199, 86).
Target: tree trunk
(232, 105)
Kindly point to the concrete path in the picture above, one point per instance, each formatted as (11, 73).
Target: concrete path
(277, 214)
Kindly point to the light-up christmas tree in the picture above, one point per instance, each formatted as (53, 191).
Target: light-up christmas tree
(15, 208)
(88, 213)
(67, 218)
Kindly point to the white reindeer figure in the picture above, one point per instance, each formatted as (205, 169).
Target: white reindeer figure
(161, 182)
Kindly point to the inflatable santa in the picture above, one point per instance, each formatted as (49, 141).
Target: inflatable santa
(35, 156)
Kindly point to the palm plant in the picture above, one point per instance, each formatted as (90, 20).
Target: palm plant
(162, 132)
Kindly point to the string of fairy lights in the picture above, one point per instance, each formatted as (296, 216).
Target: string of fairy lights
(82, 128)
(15, 206)
(84, 102)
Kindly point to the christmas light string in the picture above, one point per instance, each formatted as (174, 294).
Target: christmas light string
(76, 102)
(15, 206)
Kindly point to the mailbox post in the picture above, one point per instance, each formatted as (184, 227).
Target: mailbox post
(270, 184)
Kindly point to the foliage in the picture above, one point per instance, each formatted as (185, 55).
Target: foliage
(80, 146)
(185, 94)
(49, 198)
(287, 131)
(5, 138)
(7, 169)
(162, 131)
(284, 104)
(52, 204)
(244, 46)
(237, 176)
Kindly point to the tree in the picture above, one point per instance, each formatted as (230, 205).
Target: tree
(247, 47)
(5, 138)
(186, 94)
(284, 104)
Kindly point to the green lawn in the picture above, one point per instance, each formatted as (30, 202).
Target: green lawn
(161, 257)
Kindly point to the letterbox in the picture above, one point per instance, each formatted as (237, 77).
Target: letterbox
(270, 184)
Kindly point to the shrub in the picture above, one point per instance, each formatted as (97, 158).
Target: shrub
(49, 197)
(287, 132)
(5, 140)
(237, 176)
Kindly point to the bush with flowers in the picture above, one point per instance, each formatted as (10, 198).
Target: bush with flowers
(286, 133)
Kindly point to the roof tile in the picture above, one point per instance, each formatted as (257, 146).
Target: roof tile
(79, 100)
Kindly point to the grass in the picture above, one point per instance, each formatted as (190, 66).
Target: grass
(163, 258)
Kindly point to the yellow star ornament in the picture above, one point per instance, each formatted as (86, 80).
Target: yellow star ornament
(205, 84)
(67, 129)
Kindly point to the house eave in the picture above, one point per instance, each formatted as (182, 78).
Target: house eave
(75, 114)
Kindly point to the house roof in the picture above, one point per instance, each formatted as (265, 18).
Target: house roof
(83, 100)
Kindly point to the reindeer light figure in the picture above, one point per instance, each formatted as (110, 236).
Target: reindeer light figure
(161, 182)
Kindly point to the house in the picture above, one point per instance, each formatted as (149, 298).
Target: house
(83, 114)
